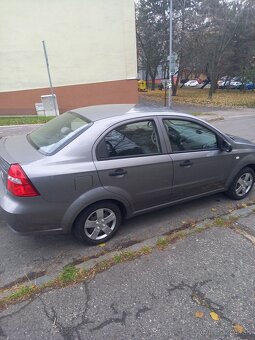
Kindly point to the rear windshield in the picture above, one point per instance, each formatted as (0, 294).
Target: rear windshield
(58, 132)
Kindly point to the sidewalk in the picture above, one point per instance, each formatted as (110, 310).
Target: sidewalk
(167, 294)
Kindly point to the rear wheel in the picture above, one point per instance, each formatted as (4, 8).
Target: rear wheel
(98, 223)
(242, 184)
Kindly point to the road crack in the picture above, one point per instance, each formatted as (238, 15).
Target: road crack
(70, 332)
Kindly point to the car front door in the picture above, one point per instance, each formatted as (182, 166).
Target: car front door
(132, 161)
(199, 165)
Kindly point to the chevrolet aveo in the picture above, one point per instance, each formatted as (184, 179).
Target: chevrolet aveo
(88, 169)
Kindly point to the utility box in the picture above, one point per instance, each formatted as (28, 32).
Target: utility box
(48, 103)
(39, 109)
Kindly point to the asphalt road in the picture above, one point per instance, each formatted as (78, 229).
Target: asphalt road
(26, 257)
(158, 296)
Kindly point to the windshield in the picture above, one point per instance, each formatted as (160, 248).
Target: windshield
(58, 132)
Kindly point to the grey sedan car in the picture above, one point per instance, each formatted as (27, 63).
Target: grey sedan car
(88, 169)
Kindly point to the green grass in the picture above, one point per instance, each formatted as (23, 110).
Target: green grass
(21, 293)
(21, 120)
(162, 242)
(69, 274)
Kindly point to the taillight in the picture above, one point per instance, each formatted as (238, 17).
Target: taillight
(18, 183)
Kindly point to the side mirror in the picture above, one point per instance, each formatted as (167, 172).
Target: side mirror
(225, 146)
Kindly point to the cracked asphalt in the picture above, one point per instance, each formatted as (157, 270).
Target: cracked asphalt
(153, 297)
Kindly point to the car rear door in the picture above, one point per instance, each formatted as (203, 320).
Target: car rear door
(199, 165)
(132, 161)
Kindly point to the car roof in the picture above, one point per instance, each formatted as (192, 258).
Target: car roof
(100, 112)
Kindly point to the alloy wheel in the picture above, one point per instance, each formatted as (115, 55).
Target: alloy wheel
(100, 224)
(244, 184)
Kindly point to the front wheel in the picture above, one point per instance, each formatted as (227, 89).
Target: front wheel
(98, 223)
(241, 184)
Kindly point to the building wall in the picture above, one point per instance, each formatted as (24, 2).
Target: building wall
(91, 48)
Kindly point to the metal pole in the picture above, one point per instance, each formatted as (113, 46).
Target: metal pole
(48, 70)
(170, 52)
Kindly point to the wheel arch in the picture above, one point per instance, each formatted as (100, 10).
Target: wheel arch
(119, 204)
(237, 169)
(88, 199)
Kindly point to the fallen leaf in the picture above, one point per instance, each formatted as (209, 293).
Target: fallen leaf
(213, 209)
(214, 316)
(199, 315)
(101, 245)
(239, 329)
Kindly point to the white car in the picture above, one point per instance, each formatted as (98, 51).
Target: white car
(191, 83)
(236, 84)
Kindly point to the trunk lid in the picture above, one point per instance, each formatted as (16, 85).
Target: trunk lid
(15, 149)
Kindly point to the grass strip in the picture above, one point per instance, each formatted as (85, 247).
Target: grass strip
(22, 120)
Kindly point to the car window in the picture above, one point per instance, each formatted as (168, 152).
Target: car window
(133, 139)
(59, 131)
(188, 136)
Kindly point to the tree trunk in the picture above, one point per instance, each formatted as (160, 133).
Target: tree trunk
(153, 81)
(146, 79)
(175, 86)
(212, 88)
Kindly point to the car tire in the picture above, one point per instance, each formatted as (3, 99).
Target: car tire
(98, 223)
(241, 184)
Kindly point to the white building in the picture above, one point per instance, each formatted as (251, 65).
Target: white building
(91, 48)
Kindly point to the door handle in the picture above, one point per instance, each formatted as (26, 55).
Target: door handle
(186, 164)
(118, 172)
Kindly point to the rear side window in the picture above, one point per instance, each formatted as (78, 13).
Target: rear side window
(129, 140)
(58, 132)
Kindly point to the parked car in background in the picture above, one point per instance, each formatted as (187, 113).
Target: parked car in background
(249, 85)
(192, 83)
(88, 169)
(235, 85)
(223, 82)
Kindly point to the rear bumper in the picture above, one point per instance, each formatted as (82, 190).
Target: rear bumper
(29, 215)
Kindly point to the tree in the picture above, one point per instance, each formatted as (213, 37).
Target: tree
(212, 36)
(243, 46)
(186, 36)
(222, 20)
(151, 19)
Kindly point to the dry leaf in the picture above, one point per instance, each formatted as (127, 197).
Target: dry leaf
(239, 329)
(213, 209)
(101, 245)
(199, 315)
(214, 316)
